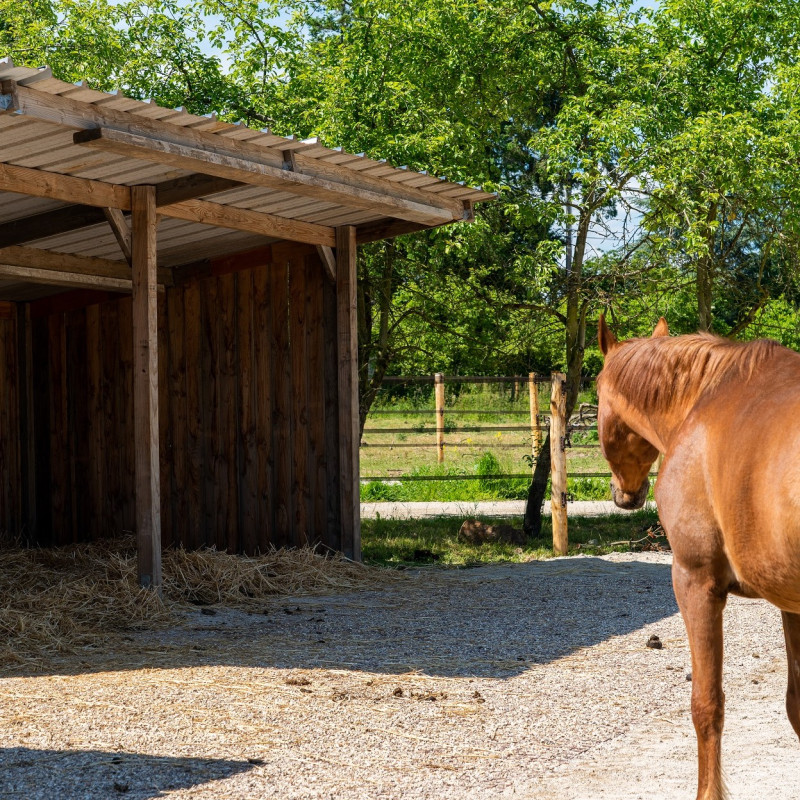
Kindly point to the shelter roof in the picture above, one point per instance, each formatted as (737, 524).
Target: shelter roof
(68, 154)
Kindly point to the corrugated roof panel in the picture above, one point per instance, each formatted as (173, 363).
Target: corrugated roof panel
(17, 206)
(30, 143)
(184, 119)
(80, 242)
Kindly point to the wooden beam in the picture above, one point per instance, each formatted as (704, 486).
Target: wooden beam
(90, 266)
(74, 217)
(49, 223)
(389, 228)
(257, 169)
(122, 233)
(38, 183)
(308, 176)
(347, 347)
(145, 386)
(191, 187)
(243, 219)
(51, 277)
(324, 170)
(329, 260)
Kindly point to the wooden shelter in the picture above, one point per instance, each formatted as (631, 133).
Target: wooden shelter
(178, 346)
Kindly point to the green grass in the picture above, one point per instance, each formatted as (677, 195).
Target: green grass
(399, 491)
(402, 543)
(412, 452)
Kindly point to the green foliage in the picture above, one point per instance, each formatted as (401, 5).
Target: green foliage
(588, 488)
(653, 145)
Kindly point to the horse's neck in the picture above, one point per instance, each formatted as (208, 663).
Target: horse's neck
(654, 426)
(657, 425)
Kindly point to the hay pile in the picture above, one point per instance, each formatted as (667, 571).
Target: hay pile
(62, 599)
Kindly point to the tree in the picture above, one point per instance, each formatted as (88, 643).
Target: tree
(721, 180)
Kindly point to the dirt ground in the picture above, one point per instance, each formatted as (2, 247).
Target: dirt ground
(525, 681)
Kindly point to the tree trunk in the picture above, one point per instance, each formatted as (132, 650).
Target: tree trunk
(532, 524)
(705, 285)
(575, 335)
(705, 274)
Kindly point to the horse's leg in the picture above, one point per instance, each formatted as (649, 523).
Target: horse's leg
(702, 607)
(791, 631)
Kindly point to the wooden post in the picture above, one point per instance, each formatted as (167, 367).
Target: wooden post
(438, 387)
(145, 385)
(536, 431)
(27, 419)
(347, 346)
(558, 461)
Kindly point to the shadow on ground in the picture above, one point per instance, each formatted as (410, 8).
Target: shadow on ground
(99, 775)
(492, 621)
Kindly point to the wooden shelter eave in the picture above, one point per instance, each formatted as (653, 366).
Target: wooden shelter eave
(85, 178)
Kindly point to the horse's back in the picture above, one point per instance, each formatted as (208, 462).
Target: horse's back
(738, 457)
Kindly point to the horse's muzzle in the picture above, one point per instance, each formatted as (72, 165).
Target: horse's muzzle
(628, 500)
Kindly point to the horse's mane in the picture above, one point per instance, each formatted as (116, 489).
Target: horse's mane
(654, 373)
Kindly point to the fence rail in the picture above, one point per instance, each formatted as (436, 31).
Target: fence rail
(555, 422)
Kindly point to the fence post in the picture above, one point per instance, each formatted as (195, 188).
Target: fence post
(558, 461)
(536, 431)
(438, 385)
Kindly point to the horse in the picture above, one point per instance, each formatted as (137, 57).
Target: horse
(722, 414)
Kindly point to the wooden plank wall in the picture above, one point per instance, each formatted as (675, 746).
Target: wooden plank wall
(11, 488)
(248, 410)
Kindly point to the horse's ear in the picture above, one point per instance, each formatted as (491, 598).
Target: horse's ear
(605, 338)
(661, 329)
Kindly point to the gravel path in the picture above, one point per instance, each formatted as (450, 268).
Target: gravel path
(487, 508)
(525, 681)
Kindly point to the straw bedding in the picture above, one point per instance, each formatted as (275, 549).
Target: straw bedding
(61, 599)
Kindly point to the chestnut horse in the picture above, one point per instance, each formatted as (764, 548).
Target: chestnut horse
(728, 491)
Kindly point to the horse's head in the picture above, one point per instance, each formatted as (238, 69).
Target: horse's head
(629, 455)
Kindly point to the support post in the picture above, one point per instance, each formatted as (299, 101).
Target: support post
(145, 385)
(558, 462)
(438, 390)
(536, 430)
(347, 347)
(27, 419)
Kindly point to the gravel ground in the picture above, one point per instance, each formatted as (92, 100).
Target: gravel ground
(485, 508)
(526, 681)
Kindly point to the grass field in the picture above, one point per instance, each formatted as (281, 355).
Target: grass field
(400, 441)
(403, 543)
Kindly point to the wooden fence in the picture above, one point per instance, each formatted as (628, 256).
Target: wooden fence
(556, 422)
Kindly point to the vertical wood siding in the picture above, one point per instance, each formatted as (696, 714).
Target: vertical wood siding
(11, 493)
(248, 412)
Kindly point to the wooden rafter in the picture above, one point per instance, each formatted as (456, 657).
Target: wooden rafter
(328, 259)
(388, 229)
(243, 219)
(72, 269)
(190, 187)
(49, 223)
(122, 233)
(52, 277)
(274, 176)
(39, 183)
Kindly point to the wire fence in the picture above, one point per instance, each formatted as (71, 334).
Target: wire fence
(440, 434)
